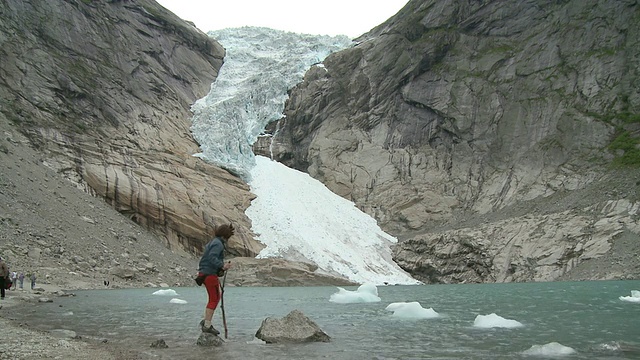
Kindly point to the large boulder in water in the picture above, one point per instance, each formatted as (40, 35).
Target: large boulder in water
(293, 328)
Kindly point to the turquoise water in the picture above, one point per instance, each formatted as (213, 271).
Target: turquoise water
(589, 317)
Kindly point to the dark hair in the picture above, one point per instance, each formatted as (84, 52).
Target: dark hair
(225, 231)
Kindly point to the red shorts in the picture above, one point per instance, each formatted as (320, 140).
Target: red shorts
(212, 284)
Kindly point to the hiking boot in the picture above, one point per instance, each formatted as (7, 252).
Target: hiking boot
(210, 329)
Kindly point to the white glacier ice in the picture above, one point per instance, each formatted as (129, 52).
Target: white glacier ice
(166, 292)
(294, 215)
(298, 218)
(551, 349)
(366, 293)
(635, 297)
(495, 321)
(411, 310)
(260, 66)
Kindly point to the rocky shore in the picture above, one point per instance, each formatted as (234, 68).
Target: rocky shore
(20, 341)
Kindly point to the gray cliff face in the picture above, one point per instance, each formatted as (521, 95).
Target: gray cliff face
(103, 89)
(481, 133)
(462, 126)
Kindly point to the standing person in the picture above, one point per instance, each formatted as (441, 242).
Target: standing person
(212, 266)
(33, 280)
(4, 275)
(14, 280)
(21, 279)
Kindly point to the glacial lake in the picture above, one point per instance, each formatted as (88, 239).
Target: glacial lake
(588, 317)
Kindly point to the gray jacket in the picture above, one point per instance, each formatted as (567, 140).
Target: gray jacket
(212, 259)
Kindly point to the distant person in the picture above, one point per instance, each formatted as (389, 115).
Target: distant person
(33, 280)
(14, 280)
(4, 276)
(212, 266)
(21, 280)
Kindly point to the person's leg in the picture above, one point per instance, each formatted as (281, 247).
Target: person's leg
(212, 284)
(208, 316)
(1, 287)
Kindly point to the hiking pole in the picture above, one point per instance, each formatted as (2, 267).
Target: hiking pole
(224, 318)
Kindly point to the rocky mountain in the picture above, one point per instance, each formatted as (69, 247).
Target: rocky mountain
(99, 93)
(499, 140)
(103, 89)
(73, 240)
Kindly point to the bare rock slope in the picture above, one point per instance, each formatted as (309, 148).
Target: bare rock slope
(103, 89)
(98, 180)
(459, 110)
(72, 240)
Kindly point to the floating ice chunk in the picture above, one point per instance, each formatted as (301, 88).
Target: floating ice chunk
(166, 292)
(635, 297)
(493, 321)
(629, 349)
(366, 293)
(256, 341)
(411, 310)
(177, 301)
(612, 346)
(550, 349)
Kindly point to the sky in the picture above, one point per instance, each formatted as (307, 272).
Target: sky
(329, 17)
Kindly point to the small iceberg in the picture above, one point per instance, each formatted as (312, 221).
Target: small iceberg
(495, 321)
(256, 341)
(619, 348)
(366, 293)
(166, 292)
(550, 349)
(177, 301)
(411, 310)
(634, 298)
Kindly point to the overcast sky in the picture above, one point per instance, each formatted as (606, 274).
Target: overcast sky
(329, 17)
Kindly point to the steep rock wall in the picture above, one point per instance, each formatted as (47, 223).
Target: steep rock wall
(103, 90)
(453, 109)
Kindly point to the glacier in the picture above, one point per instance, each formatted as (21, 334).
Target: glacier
(294, 215)
(260, 65)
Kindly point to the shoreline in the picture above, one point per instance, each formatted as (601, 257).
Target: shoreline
(23, 342)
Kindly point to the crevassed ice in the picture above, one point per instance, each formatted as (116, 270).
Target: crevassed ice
(260, 65)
